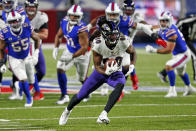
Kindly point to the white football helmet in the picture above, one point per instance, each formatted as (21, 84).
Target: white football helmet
(14, 21)
(166, 15)
(9, 5)
(113, 8)
(75, 10)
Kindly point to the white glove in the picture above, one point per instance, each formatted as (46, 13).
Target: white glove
(150, 49)
(131, 68)
(55, 52)
(3, 68)
(89, 26)
(111, 69)
(35, 56)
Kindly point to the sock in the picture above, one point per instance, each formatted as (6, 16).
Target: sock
(114, 97)
(62, 80)
(172, 77)
(133, 73)
(35, 85)
(74, 101)
(164, 72)
(185, 78)
(25, 88)
(1, 77)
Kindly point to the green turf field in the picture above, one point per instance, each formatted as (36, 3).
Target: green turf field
(137, 111)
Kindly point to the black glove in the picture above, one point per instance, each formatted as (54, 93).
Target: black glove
(155, 36)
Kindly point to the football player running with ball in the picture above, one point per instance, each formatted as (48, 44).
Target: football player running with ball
(110, 45)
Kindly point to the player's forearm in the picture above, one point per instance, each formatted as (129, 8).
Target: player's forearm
(133, 58)
(43, 35)
(57, 41)
(81, 51)
(164, 51)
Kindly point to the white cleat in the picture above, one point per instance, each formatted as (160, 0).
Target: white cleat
(64, 117)
(87, 98)
(189, 90)
(103, 118)
(63, 99)
(29, 104)
(15, 97)
(171, 93)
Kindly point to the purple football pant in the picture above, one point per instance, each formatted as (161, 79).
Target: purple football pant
(95, 80)
(41, 66)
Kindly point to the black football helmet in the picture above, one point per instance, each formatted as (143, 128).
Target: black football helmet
(128, 7)
(109, 31)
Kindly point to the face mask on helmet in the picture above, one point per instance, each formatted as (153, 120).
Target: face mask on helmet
(165, 20)
(128, 7)
(109, 31)
(31, 6)
(75, 14)
(14, 20)
(9, 5)
(113, 12)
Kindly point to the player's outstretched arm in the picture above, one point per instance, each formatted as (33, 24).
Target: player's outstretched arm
(58, 38)
(170, 45)
(83, 40)
(97, 58)
(36, 38)
(43, 33)
(131, 50)
(2, 48)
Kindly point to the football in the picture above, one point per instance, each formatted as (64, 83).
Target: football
(109, 61)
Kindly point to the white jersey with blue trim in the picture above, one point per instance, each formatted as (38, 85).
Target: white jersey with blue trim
(18, 45)
(180, 46)
(71, 34)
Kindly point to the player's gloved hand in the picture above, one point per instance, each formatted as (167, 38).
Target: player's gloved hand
(55, 52)
(3, 68)
(150, 49)
(131, 68)
(35, 56)
(161, 42)
(158, 40)
(89, 26)
(111, 69)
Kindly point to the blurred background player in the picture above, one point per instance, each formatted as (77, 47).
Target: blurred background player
(16, 36)
(9, 6)
(76, 50)
(2, 25)
(39, 21)
(110, 45)
(129, 10)
(181, 55)
(188, 28)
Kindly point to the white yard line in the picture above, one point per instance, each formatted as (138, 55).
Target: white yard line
(112, 117)
(92, 106)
